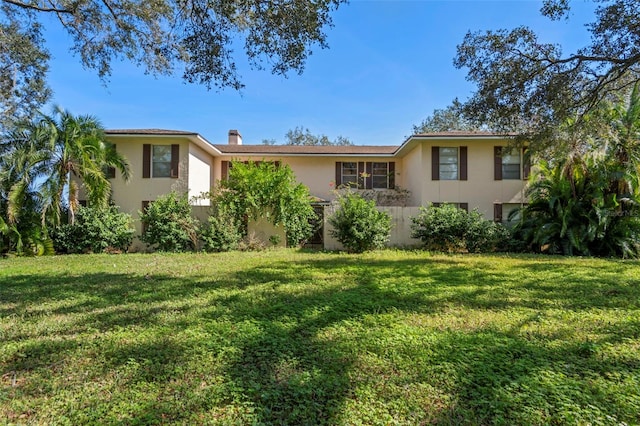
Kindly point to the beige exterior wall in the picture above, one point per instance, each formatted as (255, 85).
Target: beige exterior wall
(480, 189)
(200, 174)
(415, 176)
(130, 195)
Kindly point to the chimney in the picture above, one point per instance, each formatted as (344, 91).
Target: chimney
(235, 138)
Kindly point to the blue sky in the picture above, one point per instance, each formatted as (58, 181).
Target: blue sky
(389, 65)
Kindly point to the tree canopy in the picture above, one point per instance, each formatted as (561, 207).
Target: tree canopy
(195, 37)
(447, 119)
(532, 87)
(303, 136)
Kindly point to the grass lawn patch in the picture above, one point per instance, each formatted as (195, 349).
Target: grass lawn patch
(290, 337)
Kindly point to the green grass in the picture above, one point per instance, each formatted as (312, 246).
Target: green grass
(286, 337)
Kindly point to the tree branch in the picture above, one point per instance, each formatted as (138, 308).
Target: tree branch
(37, 8)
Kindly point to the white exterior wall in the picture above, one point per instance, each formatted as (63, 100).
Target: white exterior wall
(200, 174)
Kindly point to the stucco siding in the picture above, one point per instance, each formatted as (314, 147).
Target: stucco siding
(199, 174)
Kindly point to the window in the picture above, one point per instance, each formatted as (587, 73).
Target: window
(448, 164)
(161, 161)
(349, 173)
(511, 165)
(380, 175)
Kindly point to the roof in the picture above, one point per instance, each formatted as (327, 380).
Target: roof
(306, 150)
(309, 150)
(150, 132)
(462, 134)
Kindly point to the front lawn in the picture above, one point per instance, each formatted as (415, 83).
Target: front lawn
(286, 337)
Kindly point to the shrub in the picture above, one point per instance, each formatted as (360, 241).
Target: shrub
(219, 233)
(452, 229)
(358, 225)
(270, 190)
(169, 225)
(95, 230)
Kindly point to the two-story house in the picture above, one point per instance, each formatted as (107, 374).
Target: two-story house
(470, 169)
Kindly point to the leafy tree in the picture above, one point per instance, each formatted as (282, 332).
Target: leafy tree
(267, 189)
(196, 37)
(23, 68)
(532, 87)
(44, 155)
(303, 136)
(447, 119)
(358, 225)
(220, 232)
(169, 225)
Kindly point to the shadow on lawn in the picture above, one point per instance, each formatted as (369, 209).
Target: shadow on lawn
(294, 370)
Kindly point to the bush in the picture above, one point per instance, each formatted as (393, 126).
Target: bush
(219, 233)
(358, 225)
(169, 225)
(95, 230)
(452, 229)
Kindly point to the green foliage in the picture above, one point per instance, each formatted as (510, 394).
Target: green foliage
(197, 39)
(358, 225)
(169, 225)
(303, 136)
(95, 230)
(219, 233)
(519, 77)
(451, 229)
(266, 189)
(574, 210)
(451, 118)
(287, 337)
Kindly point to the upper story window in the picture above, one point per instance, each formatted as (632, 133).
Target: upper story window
(161, 161)
(349, 173)
(366, 174)
(448, 163)
(511, 165)
(380, 175)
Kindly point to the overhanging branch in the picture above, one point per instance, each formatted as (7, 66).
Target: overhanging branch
(37, 8)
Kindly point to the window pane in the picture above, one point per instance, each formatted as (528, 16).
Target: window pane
(346, 180)
(380, 177)
(161, 169)
(161, 161)
(349, 168)
(448, 163)
(380, 182)
(511, 171)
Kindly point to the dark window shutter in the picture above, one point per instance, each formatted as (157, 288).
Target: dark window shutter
(278, 164)
(83, 203)
(175, 158)
(146, 161)
(463, 163)
(435, 163)
(224, 170)
(338, 173)
(361, 179)
(436, 204)
(464, 206)
(526, 163)
(497, 163)
(368, 180)
(392, 175)
(497, 212)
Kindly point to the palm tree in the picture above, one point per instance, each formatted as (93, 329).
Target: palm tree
(54, 154)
